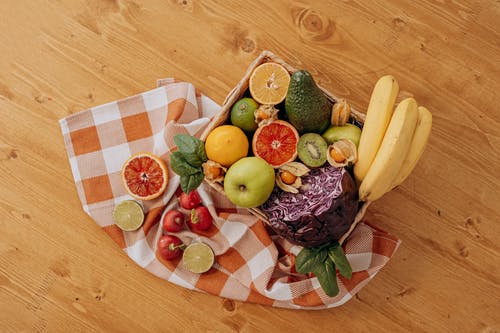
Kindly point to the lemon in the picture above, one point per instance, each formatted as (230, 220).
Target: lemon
(226, 144)
(198, 257)
(128, 215)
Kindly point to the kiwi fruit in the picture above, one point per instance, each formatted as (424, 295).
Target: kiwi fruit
(312, 150)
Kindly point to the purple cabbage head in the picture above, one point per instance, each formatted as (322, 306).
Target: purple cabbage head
(322, 211)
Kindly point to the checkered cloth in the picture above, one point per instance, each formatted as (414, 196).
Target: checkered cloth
(252, 265)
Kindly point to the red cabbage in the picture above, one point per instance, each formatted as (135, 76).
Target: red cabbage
(322, 211)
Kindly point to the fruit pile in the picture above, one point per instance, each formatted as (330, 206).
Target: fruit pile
(302, 159)
(304, 150)
(290, 124)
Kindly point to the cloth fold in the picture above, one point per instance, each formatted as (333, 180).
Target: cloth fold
(252, 264)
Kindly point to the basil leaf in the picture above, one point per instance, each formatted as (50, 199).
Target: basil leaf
(337, 255)
(193, 159)
(180, 166)
(185, 143)
(308, 259)
(191, 182)
(327, 278)
(192, 149)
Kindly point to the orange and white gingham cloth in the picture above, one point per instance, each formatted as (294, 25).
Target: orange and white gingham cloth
(251, 265)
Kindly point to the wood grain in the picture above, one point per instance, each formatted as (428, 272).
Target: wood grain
(60, 273)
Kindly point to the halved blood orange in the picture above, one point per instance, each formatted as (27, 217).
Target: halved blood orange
(144, 176)
(276, 143)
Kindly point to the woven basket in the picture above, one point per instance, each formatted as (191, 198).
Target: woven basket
(237, 93)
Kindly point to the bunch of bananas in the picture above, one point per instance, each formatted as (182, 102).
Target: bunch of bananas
(391, 142)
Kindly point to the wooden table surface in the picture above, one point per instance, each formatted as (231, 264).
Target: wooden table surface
(60, 273)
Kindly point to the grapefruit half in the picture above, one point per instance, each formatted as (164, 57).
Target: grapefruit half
(276, 143)
(145, 176)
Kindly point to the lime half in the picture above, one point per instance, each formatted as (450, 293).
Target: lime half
(198, 257)
(128, 215)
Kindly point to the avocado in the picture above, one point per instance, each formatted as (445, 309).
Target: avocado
(306, 106)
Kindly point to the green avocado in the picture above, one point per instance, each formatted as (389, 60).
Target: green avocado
(306, 106)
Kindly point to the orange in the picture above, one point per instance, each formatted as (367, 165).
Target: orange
(144, 176)
(276, 143)
(269, 83)
(226, 144)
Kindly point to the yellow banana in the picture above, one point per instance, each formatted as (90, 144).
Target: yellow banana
(378, 116)
(417, 147)
(392, 152)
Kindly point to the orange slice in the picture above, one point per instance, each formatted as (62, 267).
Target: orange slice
(144, 176)
(269, 83)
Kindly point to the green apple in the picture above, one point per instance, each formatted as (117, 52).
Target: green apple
(249, 182)
(348, 131)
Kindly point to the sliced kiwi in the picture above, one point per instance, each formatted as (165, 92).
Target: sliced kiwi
(312, 150)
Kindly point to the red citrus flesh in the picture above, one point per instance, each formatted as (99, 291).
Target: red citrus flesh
(144, 176)
(276, 143)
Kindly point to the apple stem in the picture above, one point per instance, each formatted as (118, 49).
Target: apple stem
(243, 188)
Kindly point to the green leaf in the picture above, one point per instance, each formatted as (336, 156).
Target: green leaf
(337, 256)
(193, 159)
(180, 166)
(308, 259)
(327, 278)
(192, 149)
(191, 182)
(185, 143)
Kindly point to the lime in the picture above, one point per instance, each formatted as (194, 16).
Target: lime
(242, 114)
(198, 257)
(128, 215)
